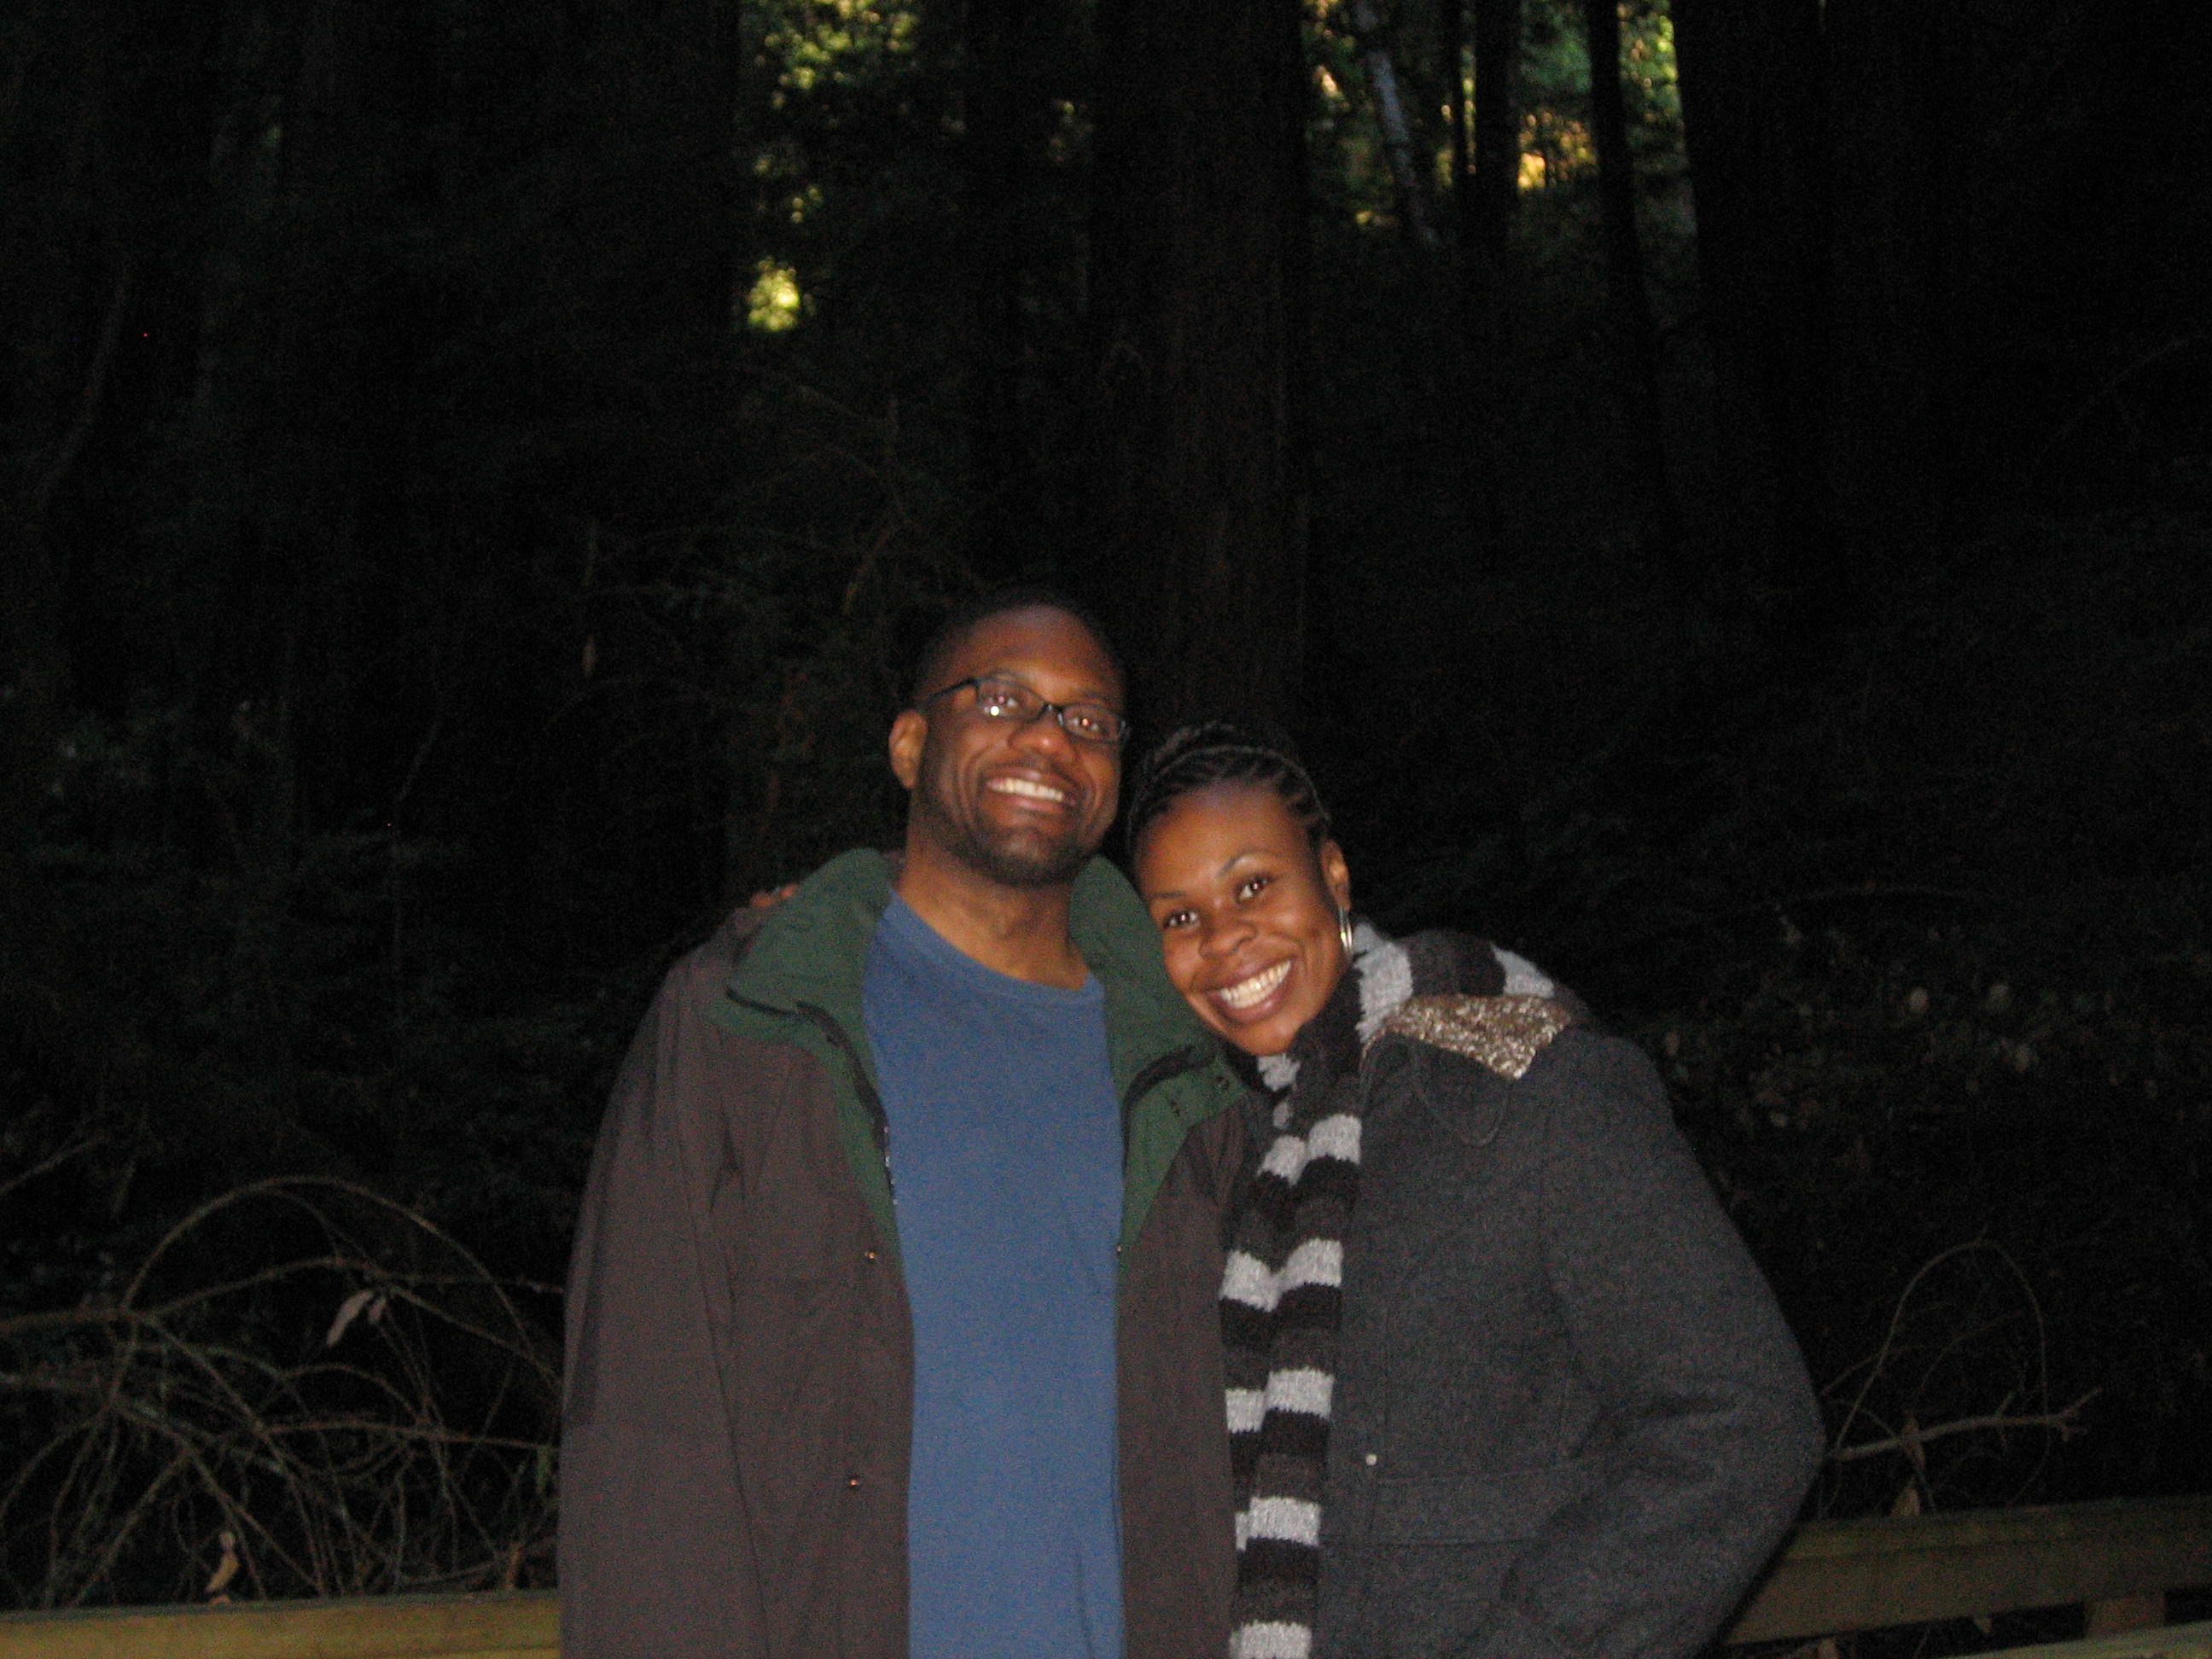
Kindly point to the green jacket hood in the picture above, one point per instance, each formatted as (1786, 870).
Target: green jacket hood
(813, 950)
(799, 981)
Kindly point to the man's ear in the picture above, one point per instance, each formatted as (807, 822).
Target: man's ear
(908, 733)
(1334, 876)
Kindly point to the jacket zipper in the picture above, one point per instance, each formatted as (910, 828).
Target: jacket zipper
(1170, 1065)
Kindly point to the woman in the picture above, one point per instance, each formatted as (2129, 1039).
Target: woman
(1503, 1381)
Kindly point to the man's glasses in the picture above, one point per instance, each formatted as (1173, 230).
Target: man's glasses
(1010, 700)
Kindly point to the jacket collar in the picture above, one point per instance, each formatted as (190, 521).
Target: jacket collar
(813, 950)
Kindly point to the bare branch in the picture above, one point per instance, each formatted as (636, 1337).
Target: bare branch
(2062, 1423)
(48, 1165)
(175, 1419)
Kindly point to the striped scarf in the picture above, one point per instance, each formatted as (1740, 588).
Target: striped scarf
(1282, 1301)
(1282, 1293)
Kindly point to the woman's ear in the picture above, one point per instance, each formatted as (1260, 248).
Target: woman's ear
(1333, 874)
(908, 733)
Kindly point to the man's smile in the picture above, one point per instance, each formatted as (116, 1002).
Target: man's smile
(1031, 789)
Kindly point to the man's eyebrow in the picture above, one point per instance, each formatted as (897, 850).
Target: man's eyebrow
(1088, 694)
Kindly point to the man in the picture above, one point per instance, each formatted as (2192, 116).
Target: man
(891, 1320)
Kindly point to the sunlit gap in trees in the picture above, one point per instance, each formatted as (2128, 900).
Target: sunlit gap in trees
(819, 51)
(773, 303)
(832, 40)
(1556, 147)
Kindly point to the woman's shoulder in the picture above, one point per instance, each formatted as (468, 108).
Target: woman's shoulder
(1481, 1002)
(1503, 1033)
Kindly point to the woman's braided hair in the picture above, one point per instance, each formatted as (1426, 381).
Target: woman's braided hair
(1223, 751)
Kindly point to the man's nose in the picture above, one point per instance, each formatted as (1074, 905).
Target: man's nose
(1043, 729)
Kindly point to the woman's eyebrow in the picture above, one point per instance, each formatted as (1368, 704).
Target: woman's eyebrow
(1220, 869)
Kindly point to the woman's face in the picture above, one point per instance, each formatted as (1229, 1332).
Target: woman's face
(1246, 912)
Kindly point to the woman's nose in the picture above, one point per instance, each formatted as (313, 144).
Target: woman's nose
(1221, 935)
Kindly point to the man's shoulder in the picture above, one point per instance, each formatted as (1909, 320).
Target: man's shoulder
(701, 975)
(811, 947)
(763, 949)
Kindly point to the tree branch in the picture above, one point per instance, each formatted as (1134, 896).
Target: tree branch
(2061, 1423)
(47, 1165)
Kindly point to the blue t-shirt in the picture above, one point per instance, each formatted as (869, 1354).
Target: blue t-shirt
(1006, 1151)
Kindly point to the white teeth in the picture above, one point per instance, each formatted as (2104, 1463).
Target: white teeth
(1024, 786)
(1246, 992)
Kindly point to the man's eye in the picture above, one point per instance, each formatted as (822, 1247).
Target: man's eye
(998, 702)
(1086, 722)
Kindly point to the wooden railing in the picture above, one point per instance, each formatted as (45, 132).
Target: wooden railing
(2118, 1558)
(522, 1625)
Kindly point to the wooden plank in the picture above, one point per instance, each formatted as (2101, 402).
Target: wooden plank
(1835, 1576)
(1839, 1576)
(518, 1625)
(2125, 1612)
(2171, 1642)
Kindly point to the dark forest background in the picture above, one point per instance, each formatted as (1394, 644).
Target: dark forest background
(1731, 526)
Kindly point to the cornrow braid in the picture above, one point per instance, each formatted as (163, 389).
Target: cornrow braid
(1221, 752)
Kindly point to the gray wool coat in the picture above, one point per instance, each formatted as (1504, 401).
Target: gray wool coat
(1569, 1419)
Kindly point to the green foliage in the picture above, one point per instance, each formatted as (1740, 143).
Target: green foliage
(532, 443)
(289, 1003)
(1874, 1095)
(301, 1390)
(1923, 953)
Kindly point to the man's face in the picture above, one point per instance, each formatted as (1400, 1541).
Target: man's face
(1022, 804)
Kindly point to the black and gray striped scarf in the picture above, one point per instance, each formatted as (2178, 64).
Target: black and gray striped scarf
(1282, 1290)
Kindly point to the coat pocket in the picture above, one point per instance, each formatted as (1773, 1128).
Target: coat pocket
(1496, 1508)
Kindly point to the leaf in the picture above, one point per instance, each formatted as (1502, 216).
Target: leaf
(225, 1570)
(347, 1310)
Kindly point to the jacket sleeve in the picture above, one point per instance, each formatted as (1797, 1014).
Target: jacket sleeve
(1716, 1436)
(656, 1559)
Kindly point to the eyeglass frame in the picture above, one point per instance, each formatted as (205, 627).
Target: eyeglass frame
(1057, 710)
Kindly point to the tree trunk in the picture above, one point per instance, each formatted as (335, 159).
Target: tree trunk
(1390, 117)
(1497, 129)
(1001, 127)
(1634, 337)
(1197, 532)
(1751, 80)
(1487, 201)
(1451, 25)
(1890, 439)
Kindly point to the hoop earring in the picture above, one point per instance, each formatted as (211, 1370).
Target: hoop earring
(1344, 930)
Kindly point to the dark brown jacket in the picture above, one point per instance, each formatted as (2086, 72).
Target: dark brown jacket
(734, 1450)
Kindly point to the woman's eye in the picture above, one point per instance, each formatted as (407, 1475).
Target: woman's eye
(1176, 918)
(1250, 887)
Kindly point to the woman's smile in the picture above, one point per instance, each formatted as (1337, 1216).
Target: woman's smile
(1248, 993)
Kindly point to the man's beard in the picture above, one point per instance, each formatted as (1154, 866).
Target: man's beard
(1024, 862)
